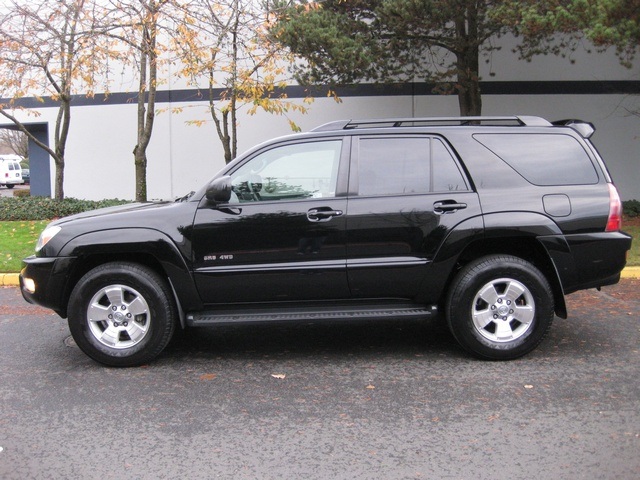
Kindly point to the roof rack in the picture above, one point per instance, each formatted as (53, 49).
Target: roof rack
(517, 120)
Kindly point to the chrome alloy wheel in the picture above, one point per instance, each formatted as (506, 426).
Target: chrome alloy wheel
(118, 316)
(503, 310)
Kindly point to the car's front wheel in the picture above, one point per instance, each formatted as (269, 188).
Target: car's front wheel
(500, 307)
(122, 314)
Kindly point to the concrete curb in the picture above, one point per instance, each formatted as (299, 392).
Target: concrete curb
(12, 280)
(9, 280)
(631, 272)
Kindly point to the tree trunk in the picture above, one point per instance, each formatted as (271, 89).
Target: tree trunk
(222, 125)
(59, 178)
(467, 61)
(140, 159)
(63, 122)
(139, 154)
(146, 95)
(227, 127)
(469, 96)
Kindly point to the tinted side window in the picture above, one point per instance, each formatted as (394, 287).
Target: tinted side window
(543, 159)
(409, 165)
(289, 172)
(446, 175)
(392, 166)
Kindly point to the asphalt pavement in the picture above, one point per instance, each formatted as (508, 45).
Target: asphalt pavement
(391, 400)
(8, 192)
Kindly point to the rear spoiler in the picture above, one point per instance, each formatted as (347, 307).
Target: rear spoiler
(585, 129)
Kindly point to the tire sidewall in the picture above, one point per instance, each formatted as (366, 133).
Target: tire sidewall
(149, 286)
(469, 282)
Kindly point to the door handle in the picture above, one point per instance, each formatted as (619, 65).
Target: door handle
(448, 206)
(323, 214)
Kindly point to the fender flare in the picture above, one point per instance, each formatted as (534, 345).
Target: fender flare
(129, 242)
(529, 225)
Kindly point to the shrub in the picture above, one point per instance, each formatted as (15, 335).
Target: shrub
(631, 208)
(44, 208)
(22, 193)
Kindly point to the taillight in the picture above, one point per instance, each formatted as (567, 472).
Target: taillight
(614, 223)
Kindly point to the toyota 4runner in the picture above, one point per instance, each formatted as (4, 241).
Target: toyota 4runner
(489, 221)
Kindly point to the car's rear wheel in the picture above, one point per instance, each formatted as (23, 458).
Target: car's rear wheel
(122, 314)
(500, 307)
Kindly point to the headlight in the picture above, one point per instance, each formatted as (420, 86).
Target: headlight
(48, 234)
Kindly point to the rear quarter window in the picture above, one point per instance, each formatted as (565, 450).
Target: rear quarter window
(543, 159)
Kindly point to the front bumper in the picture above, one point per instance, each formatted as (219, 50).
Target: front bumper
(43, 281)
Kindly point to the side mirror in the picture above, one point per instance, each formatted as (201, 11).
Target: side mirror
(219, 190)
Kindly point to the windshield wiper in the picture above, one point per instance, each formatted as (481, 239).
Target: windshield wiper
(186, 197)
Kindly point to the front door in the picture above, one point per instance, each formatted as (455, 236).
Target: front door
(282, 235)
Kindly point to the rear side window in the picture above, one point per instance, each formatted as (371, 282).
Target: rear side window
(408, 165)
(543, 159)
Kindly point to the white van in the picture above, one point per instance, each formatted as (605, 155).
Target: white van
(10, 170)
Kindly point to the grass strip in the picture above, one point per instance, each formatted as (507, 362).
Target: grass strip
(633, 260)
(17, 241)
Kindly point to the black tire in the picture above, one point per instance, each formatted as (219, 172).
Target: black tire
(122, 314)
(10, 186)
(499, 307)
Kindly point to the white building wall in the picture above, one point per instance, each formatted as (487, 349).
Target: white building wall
(617, 136)
(182, 157)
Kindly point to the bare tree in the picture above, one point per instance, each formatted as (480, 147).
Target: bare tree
(224, 44)
(138, 26)
(47, 49)
(15, 141)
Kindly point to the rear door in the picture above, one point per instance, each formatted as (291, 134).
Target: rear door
(407, 192)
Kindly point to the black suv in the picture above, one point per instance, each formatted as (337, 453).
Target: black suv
(488, 220)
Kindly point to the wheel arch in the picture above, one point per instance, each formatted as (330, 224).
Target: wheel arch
(527, 248)
(512, 233)
(147, 247)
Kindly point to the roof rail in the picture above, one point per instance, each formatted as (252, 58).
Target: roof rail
(529, 121)
(327, 127)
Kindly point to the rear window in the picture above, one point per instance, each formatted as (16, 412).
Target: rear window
(543, 159)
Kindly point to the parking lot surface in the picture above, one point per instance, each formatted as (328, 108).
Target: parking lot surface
(391, 400)
(8, 192)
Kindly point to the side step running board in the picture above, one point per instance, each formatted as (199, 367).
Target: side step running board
(308, 314)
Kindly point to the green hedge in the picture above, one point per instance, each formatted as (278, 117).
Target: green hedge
(631, 208)
(43, 208)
